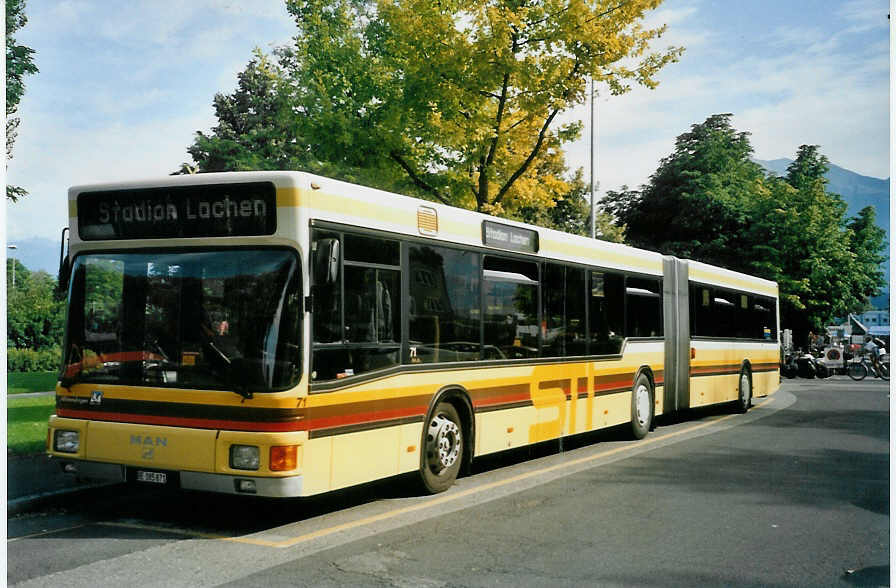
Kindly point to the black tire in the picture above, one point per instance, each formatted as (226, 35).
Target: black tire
(857, 371)
(744, 392)
(822, 371)
(642, 407)
(442, 449)
(788, 370)
(805, 368)
(883, 370)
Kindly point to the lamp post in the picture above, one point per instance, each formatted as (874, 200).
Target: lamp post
(593, 121)
(13, 247)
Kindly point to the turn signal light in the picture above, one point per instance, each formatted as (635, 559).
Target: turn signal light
(284, 457)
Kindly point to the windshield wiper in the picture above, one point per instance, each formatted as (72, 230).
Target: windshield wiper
(233, 365)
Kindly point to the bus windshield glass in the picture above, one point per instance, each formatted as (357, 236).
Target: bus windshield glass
(208, 319)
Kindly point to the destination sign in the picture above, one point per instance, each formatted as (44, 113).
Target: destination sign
(508, 237)
(217, 210)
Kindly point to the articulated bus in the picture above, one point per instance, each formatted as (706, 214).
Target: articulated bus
(283, 334)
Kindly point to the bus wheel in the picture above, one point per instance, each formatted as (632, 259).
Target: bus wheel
(642, 407)
(443, 448)
(744, 392)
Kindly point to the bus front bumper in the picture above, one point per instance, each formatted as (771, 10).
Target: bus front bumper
(285, 487)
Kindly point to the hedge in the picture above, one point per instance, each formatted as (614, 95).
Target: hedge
(29, 360)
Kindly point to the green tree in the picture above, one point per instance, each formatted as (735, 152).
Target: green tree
(827, 265)
(708, 201)
(19, 63)
(697, 203)
(798, 240)
(452, 101)
(34, 317)
(462, 96)
(868, 242)
(571, 212)
(255, 129)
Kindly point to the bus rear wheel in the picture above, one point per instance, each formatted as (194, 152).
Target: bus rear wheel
(744, 392)
(443, 448)
(642, 407)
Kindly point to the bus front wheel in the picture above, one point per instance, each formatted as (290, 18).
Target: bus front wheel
(443, 448)
(642, 407)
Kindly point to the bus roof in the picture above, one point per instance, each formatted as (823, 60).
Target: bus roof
(325, 199)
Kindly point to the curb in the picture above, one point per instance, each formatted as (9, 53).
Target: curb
(24, 504)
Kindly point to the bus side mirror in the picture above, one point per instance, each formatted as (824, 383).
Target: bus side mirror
(326, 261)
(65, 266)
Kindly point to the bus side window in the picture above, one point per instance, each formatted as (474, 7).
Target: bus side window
(327, 307)
(357, 307)
(644, 309)
(510, 310)
(443, 314)
(607, 312)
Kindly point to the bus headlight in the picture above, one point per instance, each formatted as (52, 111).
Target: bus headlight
(244, 457)
(66, 441)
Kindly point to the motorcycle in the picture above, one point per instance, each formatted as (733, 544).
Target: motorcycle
(805, 365)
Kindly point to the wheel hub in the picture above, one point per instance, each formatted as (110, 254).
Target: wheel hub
(642, 404)
(443, 445)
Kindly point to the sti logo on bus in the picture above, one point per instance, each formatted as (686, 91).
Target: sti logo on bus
(220, 210)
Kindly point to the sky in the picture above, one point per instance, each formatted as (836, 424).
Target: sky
(124, 86)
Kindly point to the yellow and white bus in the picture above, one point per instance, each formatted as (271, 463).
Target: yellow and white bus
(284, 334)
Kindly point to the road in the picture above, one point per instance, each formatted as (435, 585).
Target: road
(794, 493)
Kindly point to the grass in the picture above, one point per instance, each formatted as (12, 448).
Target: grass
(20, 382)
(26, 422)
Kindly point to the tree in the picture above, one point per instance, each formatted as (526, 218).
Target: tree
(868, 242)
(34, 317)
(452, 101)
(462, 96)
(808, 169)
(19, 63)
(798, 240)
(696, 205)
(254, 130)
(571, 212)
(708, 201)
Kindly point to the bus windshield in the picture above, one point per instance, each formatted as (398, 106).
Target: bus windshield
(207, 319)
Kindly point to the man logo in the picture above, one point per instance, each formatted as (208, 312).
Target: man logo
(148, 444)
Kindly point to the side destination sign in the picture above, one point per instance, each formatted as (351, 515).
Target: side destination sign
(217, 210)
(508, 237)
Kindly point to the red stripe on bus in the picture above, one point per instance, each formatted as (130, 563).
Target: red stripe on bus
(368, 417)
(506, 399)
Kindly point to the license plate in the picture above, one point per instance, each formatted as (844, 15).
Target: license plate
(153, 477)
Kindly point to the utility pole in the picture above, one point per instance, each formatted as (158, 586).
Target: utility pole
(593, 122)
(13, 267)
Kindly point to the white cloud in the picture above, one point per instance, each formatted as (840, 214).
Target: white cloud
(122, 89)
(789, 86)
